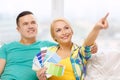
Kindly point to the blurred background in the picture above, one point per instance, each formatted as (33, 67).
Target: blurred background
(82, 14)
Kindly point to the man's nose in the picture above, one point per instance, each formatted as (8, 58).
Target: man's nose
(30, 26)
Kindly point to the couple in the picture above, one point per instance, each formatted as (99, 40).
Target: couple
(16, 57)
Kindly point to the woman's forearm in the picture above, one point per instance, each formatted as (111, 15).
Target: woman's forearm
(91, 37)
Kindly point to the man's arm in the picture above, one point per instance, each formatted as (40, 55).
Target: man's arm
(102, 24)
(2, 65)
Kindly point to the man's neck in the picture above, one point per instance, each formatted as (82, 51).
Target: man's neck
(27, 41)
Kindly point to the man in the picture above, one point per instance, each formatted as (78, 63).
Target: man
(16, 57)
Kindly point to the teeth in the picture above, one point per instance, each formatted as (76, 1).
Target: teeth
(31, 31)
(65, 37)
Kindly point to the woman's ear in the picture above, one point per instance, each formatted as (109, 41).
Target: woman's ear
(72, 31)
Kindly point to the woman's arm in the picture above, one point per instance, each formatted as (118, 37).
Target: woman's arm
(102, 24)
(2, 65)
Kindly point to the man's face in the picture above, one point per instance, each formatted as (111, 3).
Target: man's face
(27, 26)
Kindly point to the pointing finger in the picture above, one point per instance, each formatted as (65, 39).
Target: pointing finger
(105, 17)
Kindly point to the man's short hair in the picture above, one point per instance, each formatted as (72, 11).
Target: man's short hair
(22, 14)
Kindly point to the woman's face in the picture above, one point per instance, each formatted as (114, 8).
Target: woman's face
(62, 32)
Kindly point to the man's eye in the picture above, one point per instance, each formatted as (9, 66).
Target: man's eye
(25, 23)
(33, 22)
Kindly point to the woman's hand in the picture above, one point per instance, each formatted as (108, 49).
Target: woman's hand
(102, 23)
(41, 74)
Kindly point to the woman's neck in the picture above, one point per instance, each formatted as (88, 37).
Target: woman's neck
(66, 46)
(64, 50)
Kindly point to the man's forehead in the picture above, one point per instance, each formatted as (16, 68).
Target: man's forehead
(27, 18)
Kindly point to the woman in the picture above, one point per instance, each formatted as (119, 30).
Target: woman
(73, 57)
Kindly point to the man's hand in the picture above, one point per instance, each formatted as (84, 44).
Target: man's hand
(94, 48)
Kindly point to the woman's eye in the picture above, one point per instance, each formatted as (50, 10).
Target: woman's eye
(58, 30)
(66, 27)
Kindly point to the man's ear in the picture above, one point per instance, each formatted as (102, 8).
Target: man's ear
(17, 28)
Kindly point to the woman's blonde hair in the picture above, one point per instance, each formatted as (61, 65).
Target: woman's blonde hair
(52, 26)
